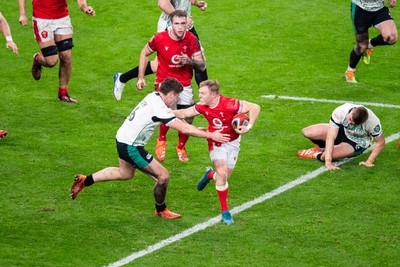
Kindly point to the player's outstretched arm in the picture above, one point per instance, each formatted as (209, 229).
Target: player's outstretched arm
(185, 113)
(194, 131)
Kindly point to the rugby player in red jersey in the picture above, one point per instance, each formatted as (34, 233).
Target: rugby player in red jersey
(219, 111)
(53, 32)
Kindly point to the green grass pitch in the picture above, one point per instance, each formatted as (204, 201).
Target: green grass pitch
(285, 48)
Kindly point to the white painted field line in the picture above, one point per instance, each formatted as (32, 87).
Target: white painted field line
(329, 101)
(245, 206)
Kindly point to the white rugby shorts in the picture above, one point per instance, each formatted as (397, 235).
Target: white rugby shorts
(44, 29)
(228, 151)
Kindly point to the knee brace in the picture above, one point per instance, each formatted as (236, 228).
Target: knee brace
(64, 45)
(49, 51)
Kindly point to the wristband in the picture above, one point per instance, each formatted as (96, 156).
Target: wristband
(249, 126)
(9, 38)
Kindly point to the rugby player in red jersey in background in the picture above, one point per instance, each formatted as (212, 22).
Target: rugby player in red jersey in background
(178, 53)
(53, 32)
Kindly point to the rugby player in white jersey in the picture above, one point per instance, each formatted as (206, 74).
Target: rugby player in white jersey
(134, 134)
(351, 130)
(364, 14)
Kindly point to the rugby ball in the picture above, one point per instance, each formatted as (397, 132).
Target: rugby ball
(240, 119)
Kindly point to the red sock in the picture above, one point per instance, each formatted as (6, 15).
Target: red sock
(37, 58)
(62, 92)
(210, 175)
(182, 140)
(163, 132)
(223, 199)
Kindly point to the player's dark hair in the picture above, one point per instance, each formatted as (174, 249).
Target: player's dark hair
(170, 84)
(177, 13)
(360, 115)
(213, 85)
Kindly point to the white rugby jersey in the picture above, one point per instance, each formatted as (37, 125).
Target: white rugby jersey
(370, 5)
(139, 126)
(164, 21)
(361, 134)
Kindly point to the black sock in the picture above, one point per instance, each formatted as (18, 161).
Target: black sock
(319, 157)
(319, 143)
(88, 181)
(161, 207)
(200, 76)
(378, 40)
(354, 59)
(133, 73)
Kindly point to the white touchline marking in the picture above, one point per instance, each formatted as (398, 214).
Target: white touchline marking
(329, 101)
(245, 206)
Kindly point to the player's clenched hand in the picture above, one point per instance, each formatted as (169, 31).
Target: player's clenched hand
(219, 137)
(141, 84)
(89, 10)
(23, 20)
(202, 5)
(184, 59)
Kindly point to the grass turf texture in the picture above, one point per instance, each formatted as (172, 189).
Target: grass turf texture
(344, 218)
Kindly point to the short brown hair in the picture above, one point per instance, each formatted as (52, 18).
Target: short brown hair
(360, 115)
(170, 84)
(213, 85)
(177, 13)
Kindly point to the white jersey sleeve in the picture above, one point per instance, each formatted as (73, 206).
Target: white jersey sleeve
(140, 125)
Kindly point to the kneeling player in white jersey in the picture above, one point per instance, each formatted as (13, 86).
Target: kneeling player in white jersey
(349, 133)
(219, 111)
(134, 134)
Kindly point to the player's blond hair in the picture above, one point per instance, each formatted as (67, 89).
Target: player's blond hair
(213, 85)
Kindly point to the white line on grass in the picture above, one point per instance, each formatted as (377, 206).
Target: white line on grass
(245, 206)
(329, 101)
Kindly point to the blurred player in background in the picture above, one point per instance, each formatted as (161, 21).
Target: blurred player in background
(365, 14)
(219, 111)
(349, 133)
(53, 32)
(167, 7)
(178, 61)
(134, 134)
(5, 29)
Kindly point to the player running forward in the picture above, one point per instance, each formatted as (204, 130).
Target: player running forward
(134, 134)
(350, 131)
(53, 32)
(365, 14)
(219, 111)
